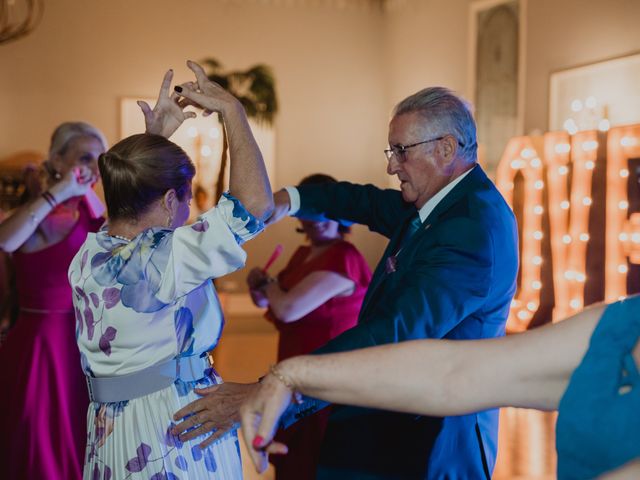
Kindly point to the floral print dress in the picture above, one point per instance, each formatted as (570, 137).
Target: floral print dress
(145, 302)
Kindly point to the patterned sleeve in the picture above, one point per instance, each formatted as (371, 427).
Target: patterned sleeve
(208, 248)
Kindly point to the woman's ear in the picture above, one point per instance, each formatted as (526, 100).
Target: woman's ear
(170, 201)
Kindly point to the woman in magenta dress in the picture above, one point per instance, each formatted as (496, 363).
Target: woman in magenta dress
(44, 396)
(316, 297)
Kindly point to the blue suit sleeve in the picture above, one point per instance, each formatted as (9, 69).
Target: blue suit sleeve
(381, 210)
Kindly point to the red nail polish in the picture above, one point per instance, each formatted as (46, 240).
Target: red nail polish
(257, 442)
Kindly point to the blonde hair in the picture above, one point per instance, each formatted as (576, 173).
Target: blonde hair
(66, 132)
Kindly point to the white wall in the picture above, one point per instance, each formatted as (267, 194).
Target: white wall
(86, 55)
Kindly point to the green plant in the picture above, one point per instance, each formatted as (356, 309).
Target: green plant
(255, 89)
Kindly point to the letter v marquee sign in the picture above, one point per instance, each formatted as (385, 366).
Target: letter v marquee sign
(577, 200)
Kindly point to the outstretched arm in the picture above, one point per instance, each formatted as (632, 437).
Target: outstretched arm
(248, 180)
(439, 377)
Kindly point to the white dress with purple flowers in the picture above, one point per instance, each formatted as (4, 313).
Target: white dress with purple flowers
(144, 302)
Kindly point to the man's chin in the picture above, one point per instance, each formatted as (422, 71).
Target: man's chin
(408, 197)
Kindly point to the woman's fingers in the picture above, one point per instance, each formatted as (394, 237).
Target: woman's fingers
(201, 76)
(165, 87)
(277, 448)
(200, 100)
(146, 110)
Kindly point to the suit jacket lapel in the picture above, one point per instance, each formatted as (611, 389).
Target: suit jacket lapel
(380, 272)
(470, 181)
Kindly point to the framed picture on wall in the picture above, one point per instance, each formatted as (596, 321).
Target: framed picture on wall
(596, 96)
(496, 74)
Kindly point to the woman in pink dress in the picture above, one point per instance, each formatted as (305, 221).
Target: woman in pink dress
(44, 398)
(316, 297)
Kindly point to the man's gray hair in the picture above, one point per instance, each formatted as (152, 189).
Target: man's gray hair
(444, 113)
(66, 132)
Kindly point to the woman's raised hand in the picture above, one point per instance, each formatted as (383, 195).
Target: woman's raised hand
(208, 95)
(76, 182)
(168, 113)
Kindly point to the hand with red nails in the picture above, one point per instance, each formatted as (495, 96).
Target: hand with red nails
(168, 113)
(260, 414)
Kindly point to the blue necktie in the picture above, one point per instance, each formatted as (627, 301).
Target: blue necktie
(413, 226)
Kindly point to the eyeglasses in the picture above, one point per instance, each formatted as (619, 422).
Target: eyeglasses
(399, 151)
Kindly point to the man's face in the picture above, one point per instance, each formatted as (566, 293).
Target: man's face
(420, 169)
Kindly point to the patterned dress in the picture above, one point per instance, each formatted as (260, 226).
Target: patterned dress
(144, 302)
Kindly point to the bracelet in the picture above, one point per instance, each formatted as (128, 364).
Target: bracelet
(51, 200)
(295, 395)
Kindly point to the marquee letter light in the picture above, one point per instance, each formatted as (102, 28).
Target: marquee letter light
(623, 234)
(521, 157)
(569, 162)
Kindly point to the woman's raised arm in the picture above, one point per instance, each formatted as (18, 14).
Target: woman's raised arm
(248, 180)
(24, 221)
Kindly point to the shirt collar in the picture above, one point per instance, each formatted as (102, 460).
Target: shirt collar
(433, 202)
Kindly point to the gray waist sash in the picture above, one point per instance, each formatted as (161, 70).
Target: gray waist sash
(149, 380)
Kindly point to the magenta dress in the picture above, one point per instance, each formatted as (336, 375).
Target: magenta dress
(43, 398)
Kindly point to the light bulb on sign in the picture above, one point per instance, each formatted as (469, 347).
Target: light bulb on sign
(604, 125)
(576, 105)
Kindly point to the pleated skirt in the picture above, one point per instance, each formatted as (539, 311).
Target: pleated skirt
(132, 440)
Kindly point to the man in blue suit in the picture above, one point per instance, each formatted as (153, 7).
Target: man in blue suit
(449, 271)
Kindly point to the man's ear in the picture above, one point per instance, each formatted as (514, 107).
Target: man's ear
(449, 146)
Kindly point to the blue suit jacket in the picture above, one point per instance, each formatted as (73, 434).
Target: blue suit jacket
(453, 279)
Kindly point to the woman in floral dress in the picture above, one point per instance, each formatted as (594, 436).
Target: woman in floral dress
(146, 309)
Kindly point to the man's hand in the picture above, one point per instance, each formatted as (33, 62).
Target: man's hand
(281, 206)
(217, 411)
(168, 113)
